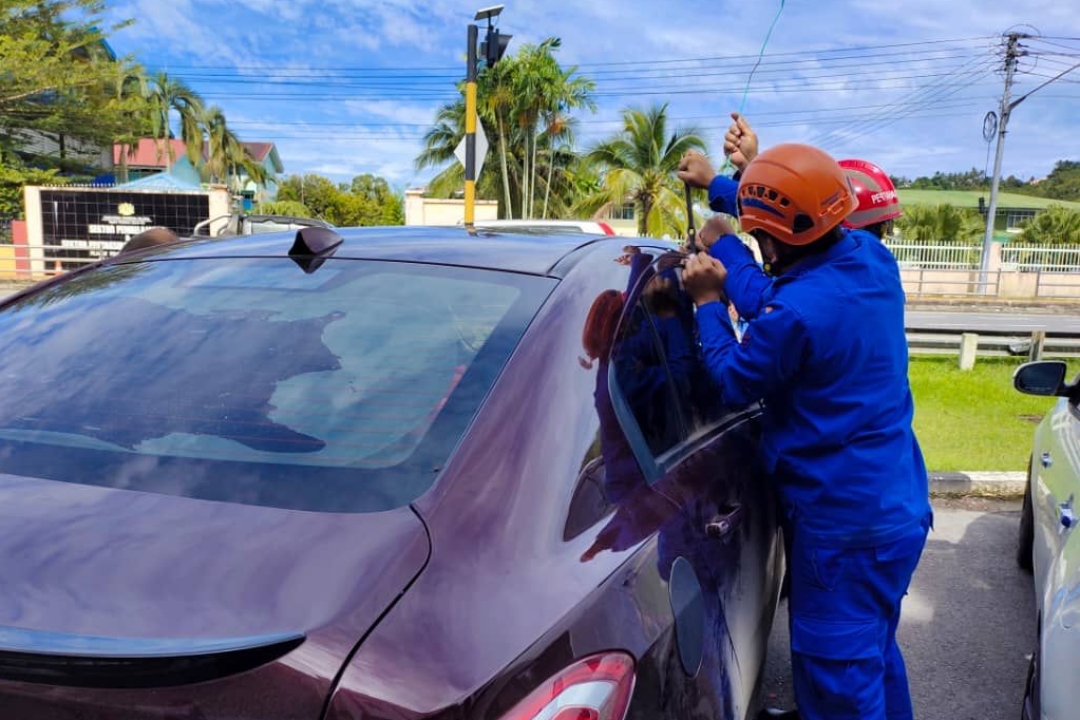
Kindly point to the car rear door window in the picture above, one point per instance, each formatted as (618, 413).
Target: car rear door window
(644, 380)
(660, 372)
(249, 380)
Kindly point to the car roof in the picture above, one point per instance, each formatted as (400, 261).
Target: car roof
(531, 253)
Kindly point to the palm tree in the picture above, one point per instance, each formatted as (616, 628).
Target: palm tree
(524, 101)
(940, 223)
(544, 93)
(639, 165)
(1057, 225)
(130, 89)
(226, 155)
(496, 104)
(439, 144)
(167, 94)
(566, 92)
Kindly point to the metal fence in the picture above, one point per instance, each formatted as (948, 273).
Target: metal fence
(935, 256)
(34, 263)
(1029, 258)
(1014, 257)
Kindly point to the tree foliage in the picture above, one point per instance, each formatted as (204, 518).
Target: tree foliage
(941, 224)
(58, 77)
(291, 208)
(366, 201)
(1063, 182)
(525, 104)
(59, 80)
(638, 166)
(1057, 225)
(14, 176)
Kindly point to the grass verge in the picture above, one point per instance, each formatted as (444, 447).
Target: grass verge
(973, 420)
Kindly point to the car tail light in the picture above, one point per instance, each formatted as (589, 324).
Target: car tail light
(597, 688)
(606, 228)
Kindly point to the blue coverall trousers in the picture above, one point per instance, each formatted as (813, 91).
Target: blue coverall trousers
(844, 611)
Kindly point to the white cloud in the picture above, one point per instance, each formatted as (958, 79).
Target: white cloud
(915, 115)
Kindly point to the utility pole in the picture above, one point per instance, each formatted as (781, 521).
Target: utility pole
(492, 49)
(1012, 55)
(470, 130)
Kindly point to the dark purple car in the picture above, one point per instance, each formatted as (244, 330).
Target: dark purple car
(408, 474)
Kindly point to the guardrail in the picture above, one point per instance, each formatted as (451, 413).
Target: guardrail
(1033, 346)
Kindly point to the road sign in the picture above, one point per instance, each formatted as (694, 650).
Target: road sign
(481, 149)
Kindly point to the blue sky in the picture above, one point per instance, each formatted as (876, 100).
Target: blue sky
(349, 86)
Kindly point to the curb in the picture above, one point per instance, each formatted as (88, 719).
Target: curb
(978, 484)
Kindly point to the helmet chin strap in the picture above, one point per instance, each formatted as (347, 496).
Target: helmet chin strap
(788, 256)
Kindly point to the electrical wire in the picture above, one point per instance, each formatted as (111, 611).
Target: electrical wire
(962, 79)
(647, 63)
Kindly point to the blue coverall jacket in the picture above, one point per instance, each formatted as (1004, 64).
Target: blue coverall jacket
(827, 352)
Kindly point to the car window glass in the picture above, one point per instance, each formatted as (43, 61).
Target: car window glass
(696, 406)
(249, 380)
(644, 382)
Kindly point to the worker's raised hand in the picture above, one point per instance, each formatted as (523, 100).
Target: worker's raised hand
(714, 228)
(704, 278)
(696, 170)
(740, 142)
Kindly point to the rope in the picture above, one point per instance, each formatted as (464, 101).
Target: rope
(750, 79)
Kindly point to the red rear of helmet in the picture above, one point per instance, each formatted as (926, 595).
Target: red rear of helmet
(878, 201)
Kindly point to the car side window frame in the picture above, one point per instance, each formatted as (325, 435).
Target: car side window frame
(652, 465)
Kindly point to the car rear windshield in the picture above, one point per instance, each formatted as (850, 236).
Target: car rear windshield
(253, 381)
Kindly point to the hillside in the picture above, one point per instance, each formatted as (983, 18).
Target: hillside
(970, 198)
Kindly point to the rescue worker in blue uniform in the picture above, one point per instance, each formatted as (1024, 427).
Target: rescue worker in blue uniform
(878, 207)
(828, 355)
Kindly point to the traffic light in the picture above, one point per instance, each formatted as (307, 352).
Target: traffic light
(494, 46)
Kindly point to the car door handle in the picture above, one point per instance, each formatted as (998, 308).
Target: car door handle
(1068, 518)
(724, 523)
(1047, 461)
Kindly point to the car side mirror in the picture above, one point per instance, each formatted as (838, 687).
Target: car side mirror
(1046, 377)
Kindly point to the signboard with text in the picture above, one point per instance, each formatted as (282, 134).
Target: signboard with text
(85, 224)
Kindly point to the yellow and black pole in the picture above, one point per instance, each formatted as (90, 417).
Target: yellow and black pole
(470, 131)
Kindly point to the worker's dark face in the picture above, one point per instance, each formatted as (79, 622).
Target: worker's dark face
(770, 248)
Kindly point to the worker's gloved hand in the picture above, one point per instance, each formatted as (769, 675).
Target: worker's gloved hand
(740, 142)
(714, 228)
(704, 278)
(696, 170)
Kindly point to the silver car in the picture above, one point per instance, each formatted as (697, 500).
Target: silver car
(1048, 544)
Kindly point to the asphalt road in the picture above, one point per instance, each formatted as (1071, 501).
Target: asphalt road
(968, 623)
(1005, 321)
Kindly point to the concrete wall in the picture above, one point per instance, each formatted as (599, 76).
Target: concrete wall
(1002, 284)
(623, 228)
(8, 269)
(940, 282)
(420, 210)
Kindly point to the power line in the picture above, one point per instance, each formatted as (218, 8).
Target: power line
(605, 88)
(442, 81)
(963, 78)
(586, 139)
(845, 112)
(793, 85)
(820, 51)
(1051, 43)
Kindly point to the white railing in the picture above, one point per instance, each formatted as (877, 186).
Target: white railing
(935, 256)
(1014, 257)
(1029, 258)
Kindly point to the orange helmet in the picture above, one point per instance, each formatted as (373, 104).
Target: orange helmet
(794, 192)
